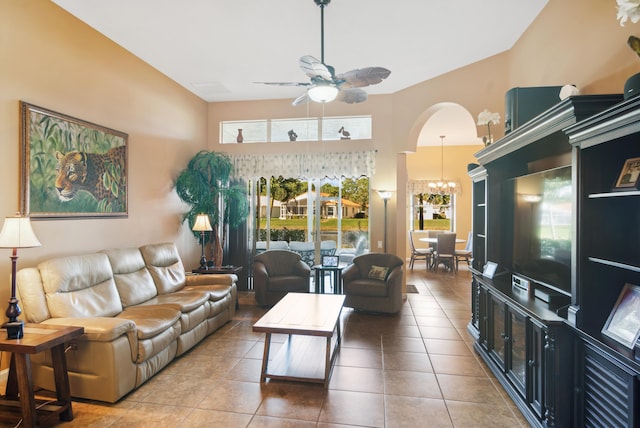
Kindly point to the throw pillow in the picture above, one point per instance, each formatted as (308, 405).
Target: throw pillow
(378, 272)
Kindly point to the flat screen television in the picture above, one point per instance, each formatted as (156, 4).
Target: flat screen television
(542, 227)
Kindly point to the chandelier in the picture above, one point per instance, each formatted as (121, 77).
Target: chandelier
(443, 186)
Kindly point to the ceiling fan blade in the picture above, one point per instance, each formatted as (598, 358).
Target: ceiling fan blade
(302, 99)
(352, 95)
(285, 83)
(314, 68)
(362, 77)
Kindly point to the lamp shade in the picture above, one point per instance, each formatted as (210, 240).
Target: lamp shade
(323, 93)
(202, 224)
(384, 194)
(17, 233)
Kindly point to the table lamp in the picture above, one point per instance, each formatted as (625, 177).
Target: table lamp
(16, 233)
(202, 225)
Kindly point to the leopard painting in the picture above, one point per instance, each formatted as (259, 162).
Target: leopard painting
(102, 175)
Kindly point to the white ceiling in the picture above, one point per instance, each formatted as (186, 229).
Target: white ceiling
(218, 48)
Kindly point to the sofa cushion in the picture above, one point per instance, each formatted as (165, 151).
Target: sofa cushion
(80, 286)
(287, 283)
(366, 287)
(165, 266)
(183, 301)
(150, 320)
(133, 280)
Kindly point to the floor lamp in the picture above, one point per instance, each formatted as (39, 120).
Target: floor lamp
(202, 225)
(385, 195)
(16, 233)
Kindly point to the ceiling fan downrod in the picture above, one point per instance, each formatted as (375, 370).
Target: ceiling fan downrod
(322, 4)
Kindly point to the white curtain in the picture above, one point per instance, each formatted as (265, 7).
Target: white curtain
(304, 165)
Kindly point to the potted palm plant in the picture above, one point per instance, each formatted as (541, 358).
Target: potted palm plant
(206, 185)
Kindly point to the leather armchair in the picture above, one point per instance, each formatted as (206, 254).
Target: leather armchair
(374, 290)
(277, 272)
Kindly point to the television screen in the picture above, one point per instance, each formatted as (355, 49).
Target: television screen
(542, 227)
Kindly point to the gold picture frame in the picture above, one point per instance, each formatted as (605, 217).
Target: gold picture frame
(70, 168)
(629, 177)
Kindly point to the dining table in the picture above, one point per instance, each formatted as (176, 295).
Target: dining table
(435, 240)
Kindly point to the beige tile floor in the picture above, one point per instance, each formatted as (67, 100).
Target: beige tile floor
(413, 369)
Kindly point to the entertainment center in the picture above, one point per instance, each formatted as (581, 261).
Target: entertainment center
(546, 211)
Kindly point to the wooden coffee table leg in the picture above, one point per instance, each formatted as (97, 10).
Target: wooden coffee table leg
(25, 389)
(265, 357)
(63, 392)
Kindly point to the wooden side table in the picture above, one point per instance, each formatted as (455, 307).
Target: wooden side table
(37, 338)
(218, 270)
(336, 272)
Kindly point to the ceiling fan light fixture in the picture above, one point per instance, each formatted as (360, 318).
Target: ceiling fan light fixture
(323, 93)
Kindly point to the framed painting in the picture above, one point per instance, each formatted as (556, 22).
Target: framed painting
(629, 177)
(623, 324)
(70, 168)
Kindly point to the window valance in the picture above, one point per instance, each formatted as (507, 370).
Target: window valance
(314, 166)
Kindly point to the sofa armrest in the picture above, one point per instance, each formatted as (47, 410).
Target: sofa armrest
(100, 329)
(103, 329)
(211, 279)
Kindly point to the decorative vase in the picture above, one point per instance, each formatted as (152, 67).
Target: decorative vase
(217, 248)
(239, 138)
(632, 86)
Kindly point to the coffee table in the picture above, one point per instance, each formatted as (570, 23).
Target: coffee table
(312, 323)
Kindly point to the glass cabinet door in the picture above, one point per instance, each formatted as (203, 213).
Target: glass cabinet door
(498, 333)
(518, 336)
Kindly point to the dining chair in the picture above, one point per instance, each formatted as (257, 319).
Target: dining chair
(433, 234)
(445, 250)
(418, 253)
(465, 255)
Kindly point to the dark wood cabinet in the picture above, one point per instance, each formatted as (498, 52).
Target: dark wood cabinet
(532, 339)
(527, 348)
(607, 376)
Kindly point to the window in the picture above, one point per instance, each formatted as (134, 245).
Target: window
(303, 129)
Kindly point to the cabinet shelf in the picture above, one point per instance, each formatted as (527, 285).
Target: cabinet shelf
(614, 194)
(615, 264)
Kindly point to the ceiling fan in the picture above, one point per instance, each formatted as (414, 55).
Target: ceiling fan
(325, 85)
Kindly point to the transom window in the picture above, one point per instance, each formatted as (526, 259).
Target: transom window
(302, 129)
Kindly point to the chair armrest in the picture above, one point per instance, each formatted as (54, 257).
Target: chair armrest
(301, 269)
(394, 279)
(350, 273)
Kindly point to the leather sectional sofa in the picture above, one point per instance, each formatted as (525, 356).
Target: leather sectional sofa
(139, 310)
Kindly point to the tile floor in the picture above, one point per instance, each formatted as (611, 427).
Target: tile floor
(414, 369)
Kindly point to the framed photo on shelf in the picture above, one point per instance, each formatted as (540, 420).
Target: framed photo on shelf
(623, 324)
(490, 270)
(629, 177)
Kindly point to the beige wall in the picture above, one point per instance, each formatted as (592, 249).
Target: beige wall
(52, 60)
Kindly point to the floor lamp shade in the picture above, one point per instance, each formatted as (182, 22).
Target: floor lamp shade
(16, 233)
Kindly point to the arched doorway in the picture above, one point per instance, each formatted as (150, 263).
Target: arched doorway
(446, 139)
